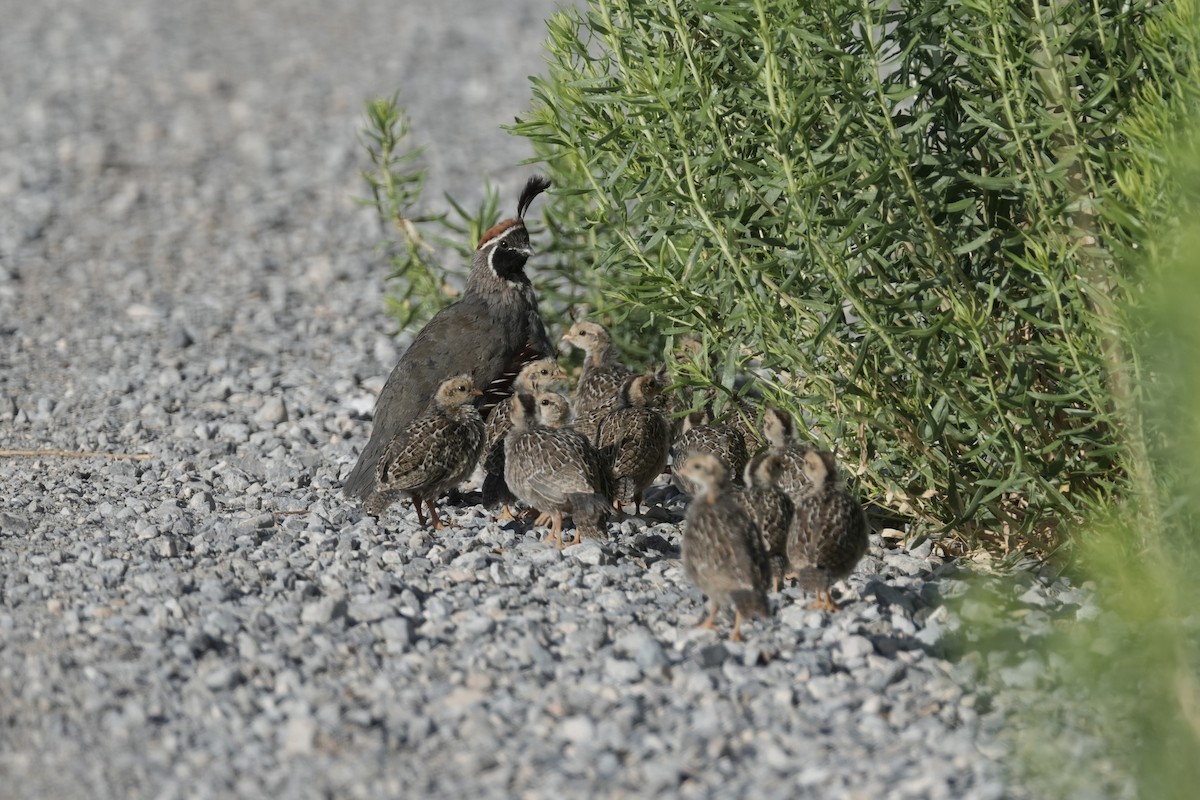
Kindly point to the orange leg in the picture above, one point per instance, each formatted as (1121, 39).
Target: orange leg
(824, 601)
(710, 621)
(736, 636)
(416, 501)
(558, 528)
(437, 521)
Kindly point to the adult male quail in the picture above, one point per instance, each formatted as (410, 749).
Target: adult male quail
(770, 508)
(698, 435)
(599, 387)
(433, 453)
(722, 549)
(539, 374)
(555, 470)
(828, 535)
(635, 439)
(488, 334)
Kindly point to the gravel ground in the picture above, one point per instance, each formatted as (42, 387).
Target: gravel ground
(184, 274)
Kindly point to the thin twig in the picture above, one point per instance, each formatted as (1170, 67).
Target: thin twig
(73, 454)
(291, 512)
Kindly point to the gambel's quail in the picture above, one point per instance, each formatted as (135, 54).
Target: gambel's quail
(555, 470)
(722, 548)
(535, 375)
(699, 434)
(770, 508)
(599, 387)
(488, 334)
(828, 535)
(779, 429)
(635, 439)
(433, 454)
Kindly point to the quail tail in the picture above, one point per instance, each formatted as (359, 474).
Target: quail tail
(361, 480)
(812, 579)
(590, 513)
(751, 602)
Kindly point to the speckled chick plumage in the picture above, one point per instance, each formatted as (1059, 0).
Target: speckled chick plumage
(698, 435)
(770, 508)
(489, 334)
(723, 552)
(537, 375)
(828, 534)
(433, 453)
(599, 388)
(779, 431)
(555, 469)
(635, 439)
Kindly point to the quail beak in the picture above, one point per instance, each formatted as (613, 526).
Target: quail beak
(476, 392)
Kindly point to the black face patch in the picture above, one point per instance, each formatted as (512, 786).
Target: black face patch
(509, 255)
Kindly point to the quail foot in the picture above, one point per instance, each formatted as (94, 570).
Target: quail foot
(433, 453)
(555, 469)
(635, 439)
(488, 334)
(722, 549)
(828, 534)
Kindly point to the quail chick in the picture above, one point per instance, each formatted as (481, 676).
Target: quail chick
(698, 435)
(488, 334)
(599, 388)
(555, 469)
(533, 377)
(740, 415)
(433, 453)
(770, 508)
(539, 374)
(635, 439)
(722, 549)
(828, 535)
(779, 430)
(551, 411)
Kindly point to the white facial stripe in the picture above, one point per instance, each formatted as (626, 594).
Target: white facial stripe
(493, 244)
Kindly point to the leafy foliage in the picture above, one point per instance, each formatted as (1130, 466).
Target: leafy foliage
(417, 244)
(897, 215)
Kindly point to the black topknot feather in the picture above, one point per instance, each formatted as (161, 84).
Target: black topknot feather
(535, 186)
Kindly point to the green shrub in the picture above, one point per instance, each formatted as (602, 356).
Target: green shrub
(904, 219)
(896, 213)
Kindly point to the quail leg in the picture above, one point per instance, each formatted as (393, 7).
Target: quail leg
(736, 636)
(437, 521)
(558, 528)
(710, 621)
(824, 601)
(416, 501)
